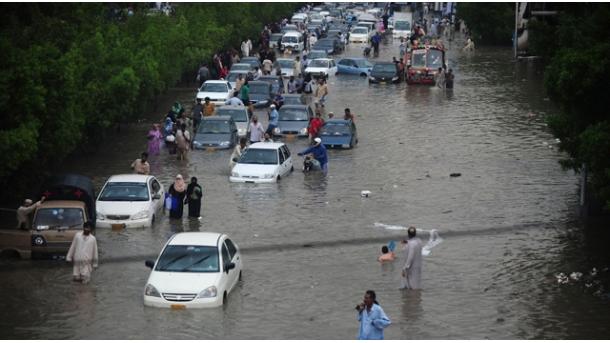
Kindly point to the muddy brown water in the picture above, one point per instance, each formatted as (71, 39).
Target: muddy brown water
(507, 223)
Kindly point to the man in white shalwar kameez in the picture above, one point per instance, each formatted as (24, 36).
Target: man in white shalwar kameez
(83, 252)
(411, 270)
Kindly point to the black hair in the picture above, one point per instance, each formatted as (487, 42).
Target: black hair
(411, 232)
(194, 179)
(384, 249)
(87, 224)
(372, 295)
(144, 154)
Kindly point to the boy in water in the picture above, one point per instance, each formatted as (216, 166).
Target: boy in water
(386, 255)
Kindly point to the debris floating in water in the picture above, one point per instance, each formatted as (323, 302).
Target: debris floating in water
(562, 278)
(455, 174)
(593, 271)
(576, 276)
(433, 241)
(365, 193)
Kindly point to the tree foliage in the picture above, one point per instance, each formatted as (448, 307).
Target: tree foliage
(576, 78)
(489, 23)
(71, 70)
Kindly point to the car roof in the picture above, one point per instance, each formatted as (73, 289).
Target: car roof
(322, 59)
(293, 33)
(231, 107)
(265, 145)
(217, 118)
(62, 203)
(354, 58)
(195, 238)
(284, 59)
(129, 178)
(216, 81)
(337, 121)
(300, 107)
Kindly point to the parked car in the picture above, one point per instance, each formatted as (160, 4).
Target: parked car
(286, 65)
(330, 45)
(294, 99)
(339, 133)
(240, 117)
(217, 90)
(194, 270)
(359, 34)
(293, 120)
(260, 93)
(275, 82)
(70, 201)
(298, 18)
(321, 67)
(129, 201)
(219, 132)
(293, 40)
(315, 54)
(354, 65)
(384, 72)
(262, 163)
(252, 60)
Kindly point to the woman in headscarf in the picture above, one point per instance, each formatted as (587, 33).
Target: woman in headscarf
(177, 192)
(194, 194)
(154, 140)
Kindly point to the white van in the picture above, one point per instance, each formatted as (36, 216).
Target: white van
(402, 25)
(293, 40)
(299, 18)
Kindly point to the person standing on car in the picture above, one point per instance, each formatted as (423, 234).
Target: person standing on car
(319, 153)
(194, 194)
(24, 213)
(83, 253)
(141, 165)
(372, 318)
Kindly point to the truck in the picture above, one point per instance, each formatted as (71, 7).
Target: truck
(69, 203)
(403, 24)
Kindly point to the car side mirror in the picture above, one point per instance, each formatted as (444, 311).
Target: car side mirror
(229, 266)
(150, 264)
(157, 196)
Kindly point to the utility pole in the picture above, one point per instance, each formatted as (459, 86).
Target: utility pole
(515, 33)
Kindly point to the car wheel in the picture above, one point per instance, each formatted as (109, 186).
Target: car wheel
(152, 221)
(278, 178)
(224, 298)
(291, 168)
(336, 73)
(240, 277)
(363, 74)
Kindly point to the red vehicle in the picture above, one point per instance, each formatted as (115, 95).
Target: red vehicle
(423, 64)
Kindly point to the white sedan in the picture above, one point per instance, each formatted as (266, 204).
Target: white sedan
(194, 270)
(217, 90)
(129, 200)
(359, 34)
(321, 67)
(262, 163)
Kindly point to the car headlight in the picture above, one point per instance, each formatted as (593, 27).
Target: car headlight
(209, 292)
(225, 143)
(304, 131)
(234, 174)
(151, 291)
(197, 144)
(276, 130)
(140, 215)
(268, 176)
(395, 78)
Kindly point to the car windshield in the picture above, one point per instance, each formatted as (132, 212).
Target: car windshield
(419, 59)
(49, 218)
(124, 191)
(232, 77)
(435, 59)
(214, 126)
(291, 114)
(188, 259)
(362, 63)
(241, 66)
(324, 43)
(319, 64)
(289, 39)
(250, 61)
(285, 63)
(360, 30)
(259, 88)
(238, 115)
(293, 100)
(259, 156)
(316, 54)
(384, 68)
(334, 130)
(402, 26)
(214, 88)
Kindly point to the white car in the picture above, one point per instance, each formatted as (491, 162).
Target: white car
(262, 163)
(194, 270)
(359, 34)
(217, 90)
(321, 67)
(286, 65)
(129, 200)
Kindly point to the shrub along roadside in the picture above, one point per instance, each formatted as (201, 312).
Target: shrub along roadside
(70, 71)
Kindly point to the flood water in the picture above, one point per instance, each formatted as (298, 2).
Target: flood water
(310, 244)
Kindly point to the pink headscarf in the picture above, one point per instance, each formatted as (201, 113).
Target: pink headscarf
(179, 185)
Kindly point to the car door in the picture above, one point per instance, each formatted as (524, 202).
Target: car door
(229, 275)
(282, 165)
(333, 67)
(288, 158)
(235, 256)
(345, 65)
(157, 194)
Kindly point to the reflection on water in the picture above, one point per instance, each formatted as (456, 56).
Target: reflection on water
(512, 204)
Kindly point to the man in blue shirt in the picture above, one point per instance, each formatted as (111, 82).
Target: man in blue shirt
(319, 153)
(273, 119)
(371, 317)
(234, 100)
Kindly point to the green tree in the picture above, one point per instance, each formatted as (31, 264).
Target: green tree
(489, 23)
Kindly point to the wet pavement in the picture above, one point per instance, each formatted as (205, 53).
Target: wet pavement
(310, 243)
